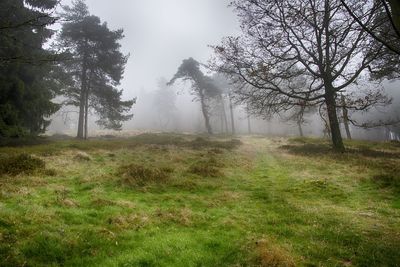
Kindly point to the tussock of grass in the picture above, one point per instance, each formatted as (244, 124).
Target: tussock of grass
(102, 202)
(271, 255)
(17, 164)
(158, 139)
(387, 180)
(182, 216)
(50, 172)
(132, 221)
(82, 156)
(200, 143)
(140, 175)
(207, 166)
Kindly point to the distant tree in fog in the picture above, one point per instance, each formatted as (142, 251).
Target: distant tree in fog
(94, 69)
(165, 103)
(227, 91)
(203, 87)
(283, 40)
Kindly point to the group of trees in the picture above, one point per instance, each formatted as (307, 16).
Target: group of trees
(211, 92)
(294, 55)
(83, 67)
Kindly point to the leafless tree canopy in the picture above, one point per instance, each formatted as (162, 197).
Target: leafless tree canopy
(315, 41)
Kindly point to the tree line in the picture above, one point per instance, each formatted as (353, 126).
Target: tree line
(83, 67)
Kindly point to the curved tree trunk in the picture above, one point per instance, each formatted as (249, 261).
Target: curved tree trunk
(204, 110)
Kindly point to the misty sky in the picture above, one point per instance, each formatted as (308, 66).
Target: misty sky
(159, 34)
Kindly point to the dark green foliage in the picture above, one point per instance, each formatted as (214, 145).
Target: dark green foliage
(22, 163)
(140, 175)
(25, 91)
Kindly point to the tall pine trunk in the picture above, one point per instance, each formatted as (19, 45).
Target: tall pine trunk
(333, 120)
(87, 93)
(81, 120)
(86, 112)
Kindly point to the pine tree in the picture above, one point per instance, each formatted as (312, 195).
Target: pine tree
(25, 89)
(95, 68)
(203, 87)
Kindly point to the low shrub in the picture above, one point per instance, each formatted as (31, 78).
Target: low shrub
(200, 143)
(139, 175)
(387, 180)
(22, 163)
(82, 156)
(207, 167)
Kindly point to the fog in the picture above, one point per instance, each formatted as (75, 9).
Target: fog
(159, 34)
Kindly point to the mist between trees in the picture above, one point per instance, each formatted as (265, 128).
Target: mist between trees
(320, 68)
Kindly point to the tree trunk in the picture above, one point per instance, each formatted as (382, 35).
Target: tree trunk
(346, 118)
(225, 117)
(248, 124)
(82, 99)
(87, 93)
(86, 113)
(204, 110)
(300, 129)
(333, 121)
(248, 120)
(232, 117)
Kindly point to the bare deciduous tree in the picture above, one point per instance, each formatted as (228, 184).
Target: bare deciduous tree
(317, 40)
(384, 28)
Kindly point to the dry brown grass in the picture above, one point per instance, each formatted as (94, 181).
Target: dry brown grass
(140, 175)
(131, 221)
(271, 255)
(82, 156)
(180, 216)
(207, 165)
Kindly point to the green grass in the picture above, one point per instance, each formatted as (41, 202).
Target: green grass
(206, 202)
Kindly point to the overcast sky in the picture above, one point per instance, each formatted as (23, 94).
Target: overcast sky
(159, 34)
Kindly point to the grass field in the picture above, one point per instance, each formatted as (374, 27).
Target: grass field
(180, 200)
